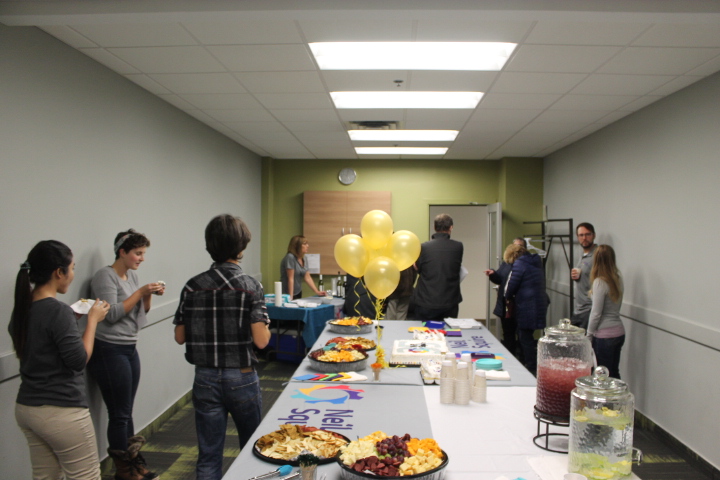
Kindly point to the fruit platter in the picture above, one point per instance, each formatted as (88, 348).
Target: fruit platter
(361, 342)
(381, 455)
(351, 325)
(338, 358)
(285, 444)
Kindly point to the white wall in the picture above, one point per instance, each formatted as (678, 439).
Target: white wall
(649, 184)
(85, 154)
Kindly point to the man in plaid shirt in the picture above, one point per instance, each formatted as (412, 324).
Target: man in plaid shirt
(220, 316)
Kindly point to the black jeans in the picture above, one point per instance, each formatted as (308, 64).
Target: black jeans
(607, 352)
(528, 344)
(422, 313)
(116, 370)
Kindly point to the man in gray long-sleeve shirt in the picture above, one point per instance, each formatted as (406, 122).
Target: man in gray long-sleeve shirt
(581, 275)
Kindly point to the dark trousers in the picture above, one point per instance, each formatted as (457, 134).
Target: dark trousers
(422, 313)
(116, 370)
(607, 352)
(528, 344)
(509, 340)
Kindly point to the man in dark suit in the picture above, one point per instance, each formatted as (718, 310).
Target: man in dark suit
(437, 295)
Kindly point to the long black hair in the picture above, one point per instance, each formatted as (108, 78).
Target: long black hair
(45, 257)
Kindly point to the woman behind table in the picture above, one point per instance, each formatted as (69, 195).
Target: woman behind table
(51, 408)
(526, 290)
(116, 364)
(293, 269)
(605, 326)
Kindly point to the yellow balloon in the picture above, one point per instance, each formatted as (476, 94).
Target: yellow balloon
(376, 228)
(382, 276)
(404, 248)
(351, 254)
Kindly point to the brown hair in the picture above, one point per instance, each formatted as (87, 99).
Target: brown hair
(604, 268)
(443, 222)
(226, 237)
(295, 245)
(133, 240)
(513, 252)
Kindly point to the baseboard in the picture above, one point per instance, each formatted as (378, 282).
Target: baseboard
(106, 465)
(644, 423)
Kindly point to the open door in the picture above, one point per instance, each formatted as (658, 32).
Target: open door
(494, 228)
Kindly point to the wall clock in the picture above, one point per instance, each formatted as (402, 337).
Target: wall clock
(347, 176)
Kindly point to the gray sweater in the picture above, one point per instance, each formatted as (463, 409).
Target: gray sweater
(118, 327)
(52, 366)
(604, 313)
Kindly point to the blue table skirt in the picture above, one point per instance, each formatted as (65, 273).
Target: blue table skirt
(313, 318)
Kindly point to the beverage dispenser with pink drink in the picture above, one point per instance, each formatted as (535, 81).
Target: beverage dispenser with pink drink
(564, 354)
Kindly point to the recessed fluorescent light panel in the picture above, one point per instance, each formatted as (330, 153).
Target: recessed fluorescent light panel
(403, 135)
(489, 56)
(406, 99)
(400, 150)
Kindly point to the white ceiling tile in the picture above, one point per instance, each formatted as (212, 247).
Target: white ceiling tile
(432, 80)
(263, 58)
(334, 126)
(257, 115)
(244, 32)
(570, 116)
(148, 84)
(549, 132)
(311, 115)
(361, 28)
(681, 35)
(169, 59)
(433, 124)
(69, 36)
(522, 101)
(136, 34)
(585, 33)
(707, 68)
(613, 117)
(264, 138)
(658, 61)
(290, 101)
(281, 82)
(329, 137)
(454, 29)
(202, 116)
(199, 82)
(621, 84)
(522, 82)
(437, 115)
(178, 102)
(676, 84)
(641, 102)
(253, 127)
(512, 116)
(364, 80)
(109, 60)
(476, 152)
(592, 102)
(372, 114)
(222, 101)
(282, 150)
(559, 58)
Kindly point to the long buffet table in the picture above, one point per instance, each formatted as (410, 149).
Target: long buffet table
(483, 441)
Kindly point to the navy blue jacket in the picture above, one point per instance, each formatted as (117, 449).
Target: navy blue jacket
(500, 278)
(527, 288)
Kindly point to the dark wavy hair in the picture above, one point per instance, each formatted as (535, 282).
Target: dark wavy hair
(134, 240)
(45, 258)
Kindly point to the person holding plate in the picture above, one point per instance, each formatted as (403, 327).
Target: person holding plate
(51, 407)
(116, 364)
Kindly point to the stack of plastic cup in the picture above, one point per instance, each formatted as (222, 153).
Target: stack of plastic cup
(447, 382)
(462, 384)
(479, 389)
(467, 358)
(450, 356)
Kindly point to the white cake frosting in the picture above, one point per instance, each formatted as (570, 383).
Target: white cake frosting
(412, 352)
(428, 335)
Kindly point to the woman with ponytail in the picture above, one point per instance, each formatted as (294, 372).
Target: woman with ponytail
(605, 325)
(116, 364)
(51, 408)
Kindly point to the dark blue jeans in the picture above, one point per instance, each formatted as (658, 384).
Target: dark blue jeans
(528, 345)
(116, 370)
(217, 392)
(607, 352)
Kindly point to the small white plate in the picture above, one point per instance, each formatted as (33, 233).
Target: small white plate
(82, 306)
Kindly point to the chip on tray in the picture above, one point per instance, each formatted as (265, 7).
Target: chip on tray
(290, 441)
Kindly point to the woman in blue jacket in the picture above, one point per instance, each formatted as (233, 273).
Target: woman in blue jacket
(526, 290)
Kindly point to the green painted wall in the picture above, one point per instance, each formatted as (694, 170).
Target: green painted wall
(415, 184)
(521, 195)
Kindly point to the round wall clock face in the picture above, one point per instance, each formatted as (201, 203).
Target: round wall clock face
(347, 176)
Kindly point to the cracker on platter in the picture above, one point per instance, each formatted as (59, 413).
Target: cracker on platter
(291, 440)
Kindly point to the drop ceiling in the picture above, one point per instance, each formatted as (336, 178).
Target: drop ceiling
(245, 69)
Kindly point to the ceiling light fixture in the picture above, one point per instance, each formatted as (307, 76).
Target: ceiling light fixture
(488, 56)
(403, 135)
(401, 150)
(406, 99)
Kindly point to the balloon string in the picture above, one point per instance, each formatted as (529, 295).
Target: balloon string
(356, 307)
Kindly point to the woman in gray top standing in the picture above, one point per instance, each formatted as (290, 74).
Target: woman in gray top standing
(293, 269)
(51, 408)
(605, 325)
(116, 364)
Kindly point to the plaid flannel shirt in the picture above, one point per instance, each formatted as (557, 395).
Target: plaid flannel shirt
(217, 308)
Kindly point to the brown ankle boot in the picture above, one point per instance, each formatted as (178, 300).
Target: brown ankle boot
(135, 443)
(124, 468)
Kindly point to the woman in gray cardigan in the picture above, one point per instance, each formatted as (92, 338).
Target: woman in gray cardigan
(605, 325)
